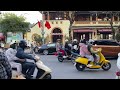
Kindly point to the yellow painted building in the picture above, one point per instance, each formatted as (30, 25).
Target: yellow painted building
(59, 29)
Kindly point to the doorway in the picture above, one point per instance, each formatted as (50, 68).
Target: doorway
(56, 34)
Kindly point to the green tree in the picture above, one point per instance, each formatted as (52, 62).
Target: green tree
(118, 34)
(12, 23)
(118, 37)
(71, 18)
(38, 39)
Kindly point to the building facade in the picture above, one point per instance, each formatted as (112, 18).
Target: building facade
(59, 28)
(94, 25)
(87, 24)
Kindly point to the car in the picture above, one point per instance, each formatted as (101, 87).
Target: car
(47, 49)
(110, 48)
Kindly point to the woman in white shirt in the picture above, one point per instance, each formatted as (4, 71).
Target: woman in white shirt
(11, 55)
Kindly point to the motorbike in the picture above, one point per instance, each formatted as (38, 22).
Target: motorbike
(118, 66)
(81, 63)
(62, 55)
(41, 71)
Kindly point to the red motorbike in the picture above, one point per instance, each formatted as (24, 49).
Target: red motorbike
(62, 55)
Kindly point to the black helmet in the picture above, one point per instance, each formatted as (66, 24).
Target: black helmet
(23, 44)
(83, 41)
(13, 46)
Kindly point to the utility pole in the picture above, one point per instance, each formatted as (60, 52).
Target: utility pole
(42, 32)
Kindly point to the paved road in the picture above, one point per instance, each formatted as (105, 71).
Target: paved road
(66, 70)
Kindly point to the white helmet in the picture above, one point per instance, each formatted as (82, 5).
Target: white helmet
(118, 54)
(66, 40)
(75, 40)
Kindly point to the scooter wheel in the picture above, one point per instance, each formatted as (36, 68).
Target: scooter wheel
(47, 76)
(60, 58)
(80, 67)
(106, 66)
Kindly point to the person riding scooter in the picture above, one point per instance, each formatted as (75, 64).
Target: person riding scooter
(84, 52)
(27, 67)
(75, 46)
(11, 56)
(94, 53)
(67, 48)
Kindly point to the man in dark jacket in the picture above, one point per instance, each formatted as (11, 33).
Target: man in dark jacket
(67, 48)
(25, 65)
(5, 68)
(75, 46)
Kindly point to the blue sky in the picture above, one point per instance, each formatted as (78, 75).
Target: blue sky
(31, 16)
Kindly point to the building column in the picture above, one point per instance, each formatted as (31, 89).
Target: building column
(118, 18)
(96, 17)
(64, 15)
(48, 16)
(113, 18)
(91, 18)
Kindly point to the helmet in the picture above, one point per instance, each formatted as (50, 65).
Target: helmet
(83, 41)
(66, 40)
(13, 45)
(23, 44)
(75, 40)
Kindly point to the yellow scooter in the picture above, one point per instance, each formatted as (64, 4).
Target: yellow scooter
(82, 63)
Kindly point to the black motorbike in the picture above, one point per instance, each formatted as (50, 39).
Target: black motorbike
(63, 56)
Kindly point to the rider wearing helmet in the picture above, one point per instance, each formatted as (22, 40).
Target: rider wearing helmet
(22, 55)
(75, 46)
(87, 51)
(67, 48)
(11, 56)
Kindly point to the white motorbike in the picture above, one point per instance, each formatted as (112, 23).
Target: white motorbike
(41, 71)
(118, 66)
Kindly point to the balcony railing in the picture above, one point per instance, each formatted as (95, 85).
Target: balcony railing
(82, 22)
(103, 22)
(95, 22)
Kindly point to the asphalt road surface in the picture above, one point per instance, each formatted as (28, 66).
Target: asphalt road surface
(66, 69)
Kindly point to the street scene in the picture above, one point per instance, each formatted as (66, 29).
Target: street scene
(66, 70)
(59, 44)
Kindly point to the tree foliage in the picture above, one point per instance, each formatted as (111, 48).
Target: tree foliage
(12, 23)
(118, 36)
(71, 18)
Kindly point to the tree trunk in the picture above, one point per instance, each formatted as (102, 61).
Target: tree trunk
(113, 30)
(70, 36)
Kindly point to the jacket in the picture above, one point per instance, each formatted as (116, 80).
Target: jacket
(22, 55)
(11, 54)
(5, 68)
(84, 50)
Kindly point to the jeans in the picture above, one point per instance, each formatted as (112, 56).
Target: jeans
(27, 68)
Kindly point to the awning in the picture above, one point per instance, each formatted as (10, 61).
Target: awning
(105, 31)
(83, 31)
